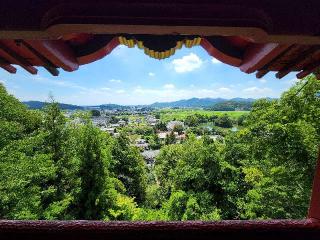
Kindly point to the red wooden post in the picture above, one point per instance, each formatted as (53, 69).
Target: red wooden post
(314, 209)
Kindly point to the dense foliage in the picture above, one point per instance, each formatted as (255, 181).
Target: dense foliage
(54, 168)
(233, 105)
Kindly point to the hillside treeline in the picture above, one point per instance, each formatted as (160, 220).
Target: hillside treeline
(232, 105)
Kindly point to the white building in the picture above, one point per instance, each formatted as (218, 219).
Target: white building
(142, 144)
(122, 123)
(172, 124)
(109, 130)
(162, 135)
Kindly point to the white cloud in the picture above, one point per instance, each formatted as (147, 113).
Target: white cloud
(224, 90)
(293, 81)
(168, 86)
(120, 91)
(262, 80)
(141, 91)
(168, 92)
(151, 74)
(150, 95)
(121, 52)
(257, 92)
(215, 61)
(187, 63)
(140, 94)
(115, 81)
(2, 81)
(59, 83)
(105, 89)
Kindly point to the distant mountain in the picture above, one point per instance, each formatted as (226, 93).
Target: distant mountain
(40, 105)
(220, 103)
(188, 103)
(198, 102)
(111, 106)
(64, 106)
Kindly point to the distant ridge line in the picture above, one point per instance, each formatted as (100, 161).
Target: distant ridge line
(184, 103)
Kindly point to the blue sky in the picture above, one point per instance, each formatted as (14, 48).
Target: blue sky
(128, 76)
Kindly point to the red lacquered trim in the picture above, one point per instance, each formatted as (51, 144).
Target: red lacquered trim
(223, 51)
(58, 52)
(258, 55)
(100, 53)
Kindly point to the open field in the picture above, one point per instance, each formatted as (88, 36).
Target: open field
(181, 114)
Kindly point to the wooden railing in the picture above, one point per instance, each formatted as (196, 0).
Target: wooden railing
(246, 230)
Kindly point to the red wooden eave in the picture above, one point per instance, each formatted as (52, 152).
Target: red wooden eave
(256, 36)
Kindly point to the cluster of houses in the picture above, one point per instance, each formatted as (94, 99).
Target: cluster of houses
(104, 123)
(143, 145)
(174, 129)
(171, 126)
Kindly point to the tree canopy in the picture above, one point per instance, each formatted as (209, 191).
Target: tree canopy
(54, 168)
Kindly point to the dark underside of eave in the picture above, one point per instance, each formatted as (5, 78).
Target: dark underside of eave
(274, 16)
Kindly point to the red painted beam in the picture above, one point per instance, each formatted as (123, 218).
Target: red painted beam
(314, 209)
(57, 52)
(93, 230)
(13, 57)
(7, 66)
(46, 63)
(258, 55)
(261, 73)
(309, 69)
(90, 52)
(222, 50)
(289, 67)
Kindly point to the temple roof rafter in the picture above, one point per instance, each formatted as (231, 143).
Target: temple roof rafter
(255, 36)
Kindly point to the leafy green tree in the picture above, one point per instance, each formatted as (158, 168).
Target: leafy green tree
(192, 120)
(26, 171)
(241, 120)
(114, 119)
(161, 126)
(26, 176)
(157, 115)
(277, 152)
(16, 121)
(178, 128)
(170, 138)
(154, 142)
(176, 205)
(60, 145)
(154, 196)
(193, 210)
(95, 113)
(129, 167)
(95, 156)
(224, 121)
(125, 209)
(143, 130)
